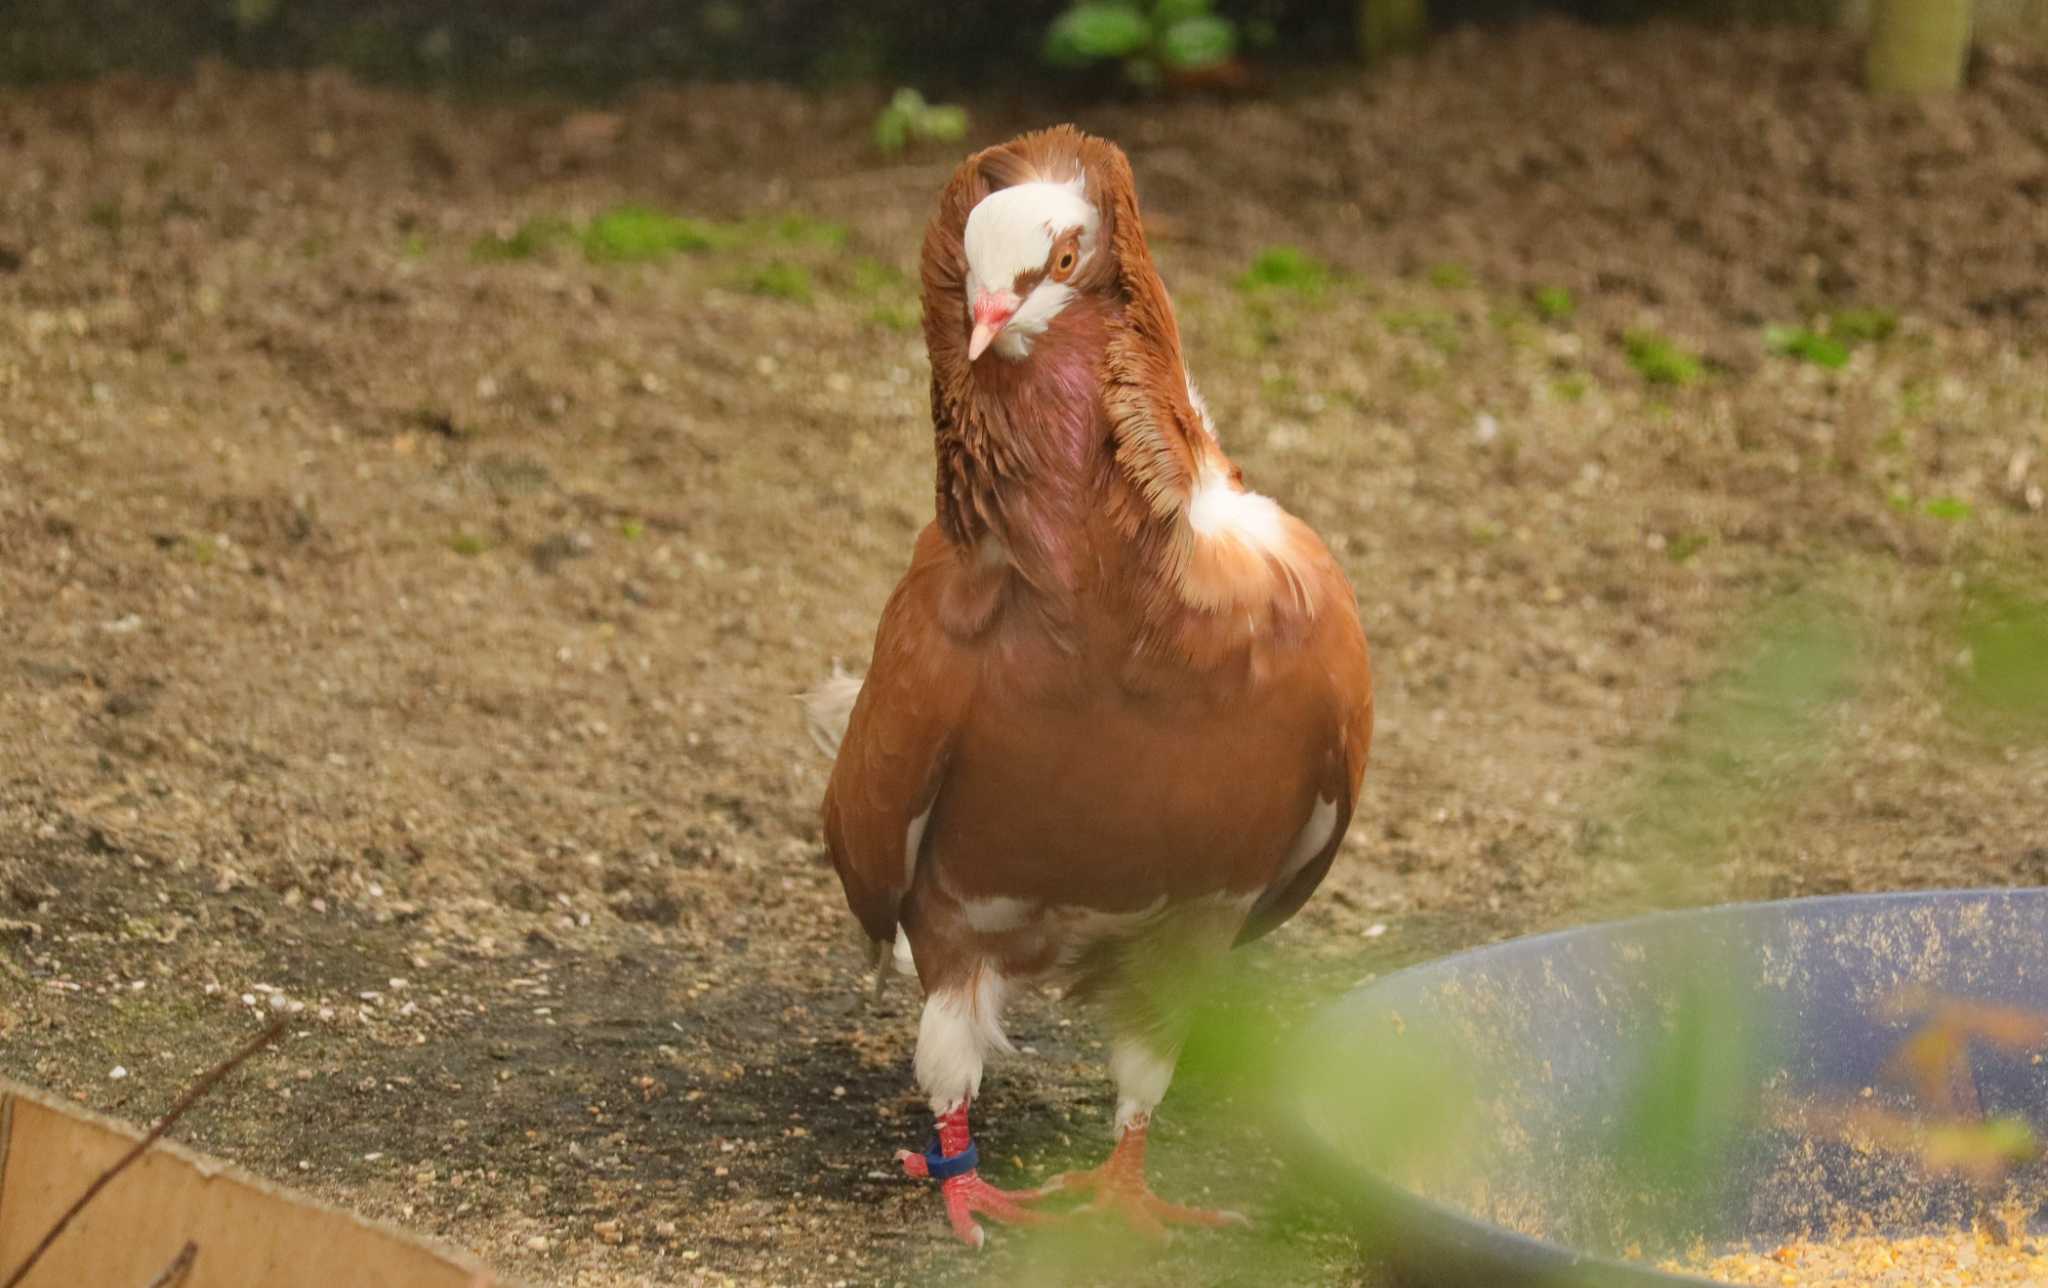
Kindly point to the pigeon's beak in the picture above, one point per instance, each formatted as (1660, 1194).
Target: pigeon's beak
(992, 312)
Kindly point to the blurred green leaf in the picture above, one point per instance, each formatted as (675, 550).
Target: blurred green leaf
(1142, 72)
(1192, 44)
(1947, 507)
(252, 14)
(1689, 1099)
(909, 118)
(1090, 33)
(1167, 12)
(945, 123)
(2007, 673)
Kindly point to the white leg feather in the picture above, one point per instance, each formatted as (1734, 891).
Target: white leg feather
(960, 1027)
(1142, 1076)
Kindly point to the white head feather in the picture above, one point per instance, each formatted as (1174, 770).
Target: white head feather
(1012, 231)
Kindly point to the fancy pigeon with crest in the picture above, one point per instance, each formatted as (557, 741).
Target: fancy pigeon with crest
(1118, 707)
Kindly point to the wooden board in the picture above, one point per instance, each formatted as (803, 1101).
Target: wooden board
(250, 1234)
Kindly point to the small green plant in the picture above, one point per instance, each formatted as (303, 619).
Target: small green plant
(1854, 326)
(1830, 346)
(1147, 40)
(466, 544)
(909, 119)
(1571, 388)
(1285, 268)
(628, 234)
(633, 234)
(1948, 508)
(779, 279)
(798, 229)
(1451, 277)
(1659, 361)
(1681, 548)
(632, 529)
(1554, 303)
(1807, 346)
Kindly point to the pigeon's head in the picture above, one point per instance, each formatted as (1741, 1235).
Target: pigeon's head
(1027, 247)
(1037, 246)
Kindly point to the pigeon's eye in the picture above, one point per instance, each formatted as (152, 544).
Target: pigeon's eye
(1063, 264)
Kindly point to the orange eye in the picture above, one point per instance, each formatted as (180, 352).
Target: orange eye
(1064, 264)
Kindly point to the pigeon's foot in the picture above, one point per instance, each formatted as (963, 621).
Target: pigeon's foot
(951, 1159)
(1118, 1189)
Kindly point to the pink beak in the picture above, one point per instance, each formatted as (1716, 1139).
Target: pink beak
(992, 311)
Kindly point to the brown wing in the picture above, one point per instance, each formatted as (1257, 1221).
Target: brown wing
(1339, 644)
(893, 758)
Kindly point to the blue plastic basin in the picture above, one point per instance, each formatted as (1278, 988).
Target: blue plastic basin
(1504, 1116)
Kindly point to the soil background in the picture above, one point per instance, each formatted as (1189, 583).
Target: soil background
(402, 609)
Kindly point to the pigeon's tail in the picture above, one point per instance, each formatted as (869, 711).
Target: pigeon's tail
(828, 707)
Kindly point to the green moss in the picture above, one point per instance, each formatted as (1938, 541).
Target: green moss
(1863, 325)
(1681, 548)
(800, 229)
(779, 279)
(1286, 268)
(1806, 346)
(636, 234)
(1659, 361)
(468, 545)
(1554, 303)
(1451, 277)
(1949, 508)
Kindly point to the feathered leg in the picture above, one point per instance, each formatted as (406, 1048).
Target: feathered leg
(960, 1026)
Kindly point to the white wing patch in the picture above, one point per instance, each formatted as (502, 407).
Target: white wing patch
(1311, 840)
(997, 913)
(913, 841)
(1238, 540)
(1220, 508)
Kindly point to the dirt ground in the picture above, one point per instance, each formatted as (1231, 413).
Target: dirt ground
(402, 608)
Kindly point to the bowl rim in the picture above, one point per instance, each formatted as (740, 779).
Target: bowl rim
(1401, 1209)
